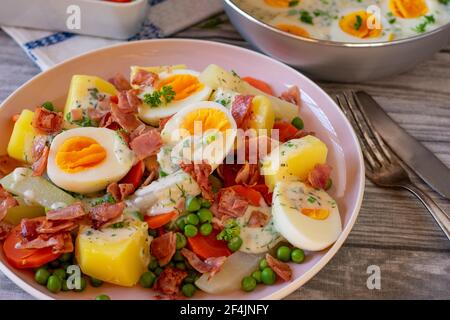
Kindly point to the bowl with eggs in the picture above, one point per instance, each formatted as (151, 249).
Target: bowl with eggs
(344, 41)
(120, 176)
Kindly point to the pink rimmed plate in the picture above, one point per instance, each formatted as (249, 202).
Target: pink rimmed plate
(319, 112)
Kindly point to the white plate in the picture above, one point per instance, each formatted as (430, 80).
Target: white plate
(319, 112)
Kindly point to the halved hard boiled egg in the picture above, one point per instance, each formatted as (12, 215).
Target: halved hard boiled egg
(204, 130)
(293, 25)
(357, 25)
(308, 218)
(186, 88)
(274, 6)
(87, 160)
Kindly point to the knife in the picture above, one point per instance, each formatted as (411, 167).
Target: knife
(427, 166)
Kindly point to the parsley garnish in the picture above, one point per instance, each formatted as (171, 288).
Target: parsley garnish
(230, 231)
(107, 198)
(85, 122)
(158, 97)
(358, 22)
(293, 3)
(306, 17)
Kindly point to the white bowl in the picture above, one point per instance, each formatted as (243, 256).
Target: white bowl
(319, 111)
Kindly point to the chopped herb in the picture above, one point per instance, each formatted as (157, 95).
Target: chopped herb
(84, 122)
(230, 231)
(306, 17)
(118, 225)
(156, 98)
(311, 199)
(358, 22)
(422, 27)
(293, 3)
(107, 198)
(444, 2)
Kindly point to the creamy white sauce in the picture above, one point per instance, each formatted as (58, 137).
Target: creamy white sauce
(323, 17)
(258, 240)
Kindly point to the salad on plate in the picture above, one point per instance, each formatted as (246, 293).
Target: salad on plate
(175, 180)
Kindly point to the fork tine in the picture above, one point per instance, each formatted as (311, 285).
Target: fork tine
(366, 131)
(375, 133)
(342, 102)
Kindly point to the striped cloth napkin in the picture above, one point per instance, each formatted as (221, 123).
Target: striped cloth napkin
(49, 48)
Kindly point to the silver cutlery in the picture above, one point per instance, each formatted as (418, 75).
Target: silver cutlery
(382, 167)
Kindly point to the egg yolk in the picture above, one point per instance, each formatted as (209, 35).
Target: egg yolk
(316, 214)
(79, 153)
(184, 85)
(408, 9)
(357, 25)
(279, 3)
(205, 119)
(295, 30)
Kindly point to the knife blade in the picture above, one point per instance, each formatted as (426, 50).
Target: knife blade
(421, 160)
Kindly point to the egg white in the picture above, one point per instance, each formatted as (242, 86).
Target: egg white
(300, 230)
(153, 115)
(118, 162)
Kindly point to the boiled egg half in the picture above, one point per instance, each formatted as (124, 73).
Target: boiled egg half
(203, 131)
(87, 160)
(186, 87)
(308, 218)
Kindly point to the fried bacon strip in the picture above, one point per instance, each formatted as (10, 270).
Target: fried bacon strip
(7, 201)
(211, 265)
(280, 268)
(200, 172)
(105, 213)
(242, 111)
(319, 176)
(169, 281)
(163, 248)
(47, 122)
(120, 191)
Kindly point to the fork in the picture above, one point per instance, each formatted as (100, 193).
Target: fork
(382, 167)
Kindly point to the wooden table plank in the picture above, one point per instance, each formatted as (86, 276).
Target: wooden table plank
(393, 231)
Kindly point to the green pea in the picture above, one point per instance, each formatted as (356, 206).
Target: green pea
(181, 222)
(96, 282)
(83, 285)
(65, 257)
(158, 271)
(268, 277)
(180, 265)
(64, 286)
(284, 253)
(298, 123)
(257, 275)
(235, 244)
(206, 229)
(263, 264)
(206, 203)
(329, 184)
(54, 284)
(153, 264)
(193, 204)
(190, 231)
(48, 105)
(147, 279)
(297, 255)
(205, 215)
(61, 273)
(248, 284)
(102, 297)
(41, 276)
(192, 219)
(178, 257)
(188, 290)
(181, 241)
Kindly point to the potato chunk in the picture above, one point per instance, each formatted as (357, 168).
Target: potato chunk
(293, 160)
(263, 116)
(21, 141)
(115, 255)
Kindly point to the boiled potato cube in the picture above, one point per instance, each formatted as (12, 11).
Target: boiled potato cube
(263, 116)
(114, 255)
(21, 141)
(155, 69)
(293, 160)
(36, 190)
(83, 89)
(216, 77)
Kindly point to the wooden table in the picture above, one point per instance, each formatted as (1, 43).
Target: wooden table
(393, 231)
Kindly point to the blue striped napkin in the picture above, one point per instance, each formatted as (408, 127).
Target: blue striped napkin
(49, 48)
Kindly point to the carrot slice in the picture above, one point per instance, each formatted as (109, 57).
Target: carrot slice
(286, 130)
(259, 84)
(155, 222)
(208, 246)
